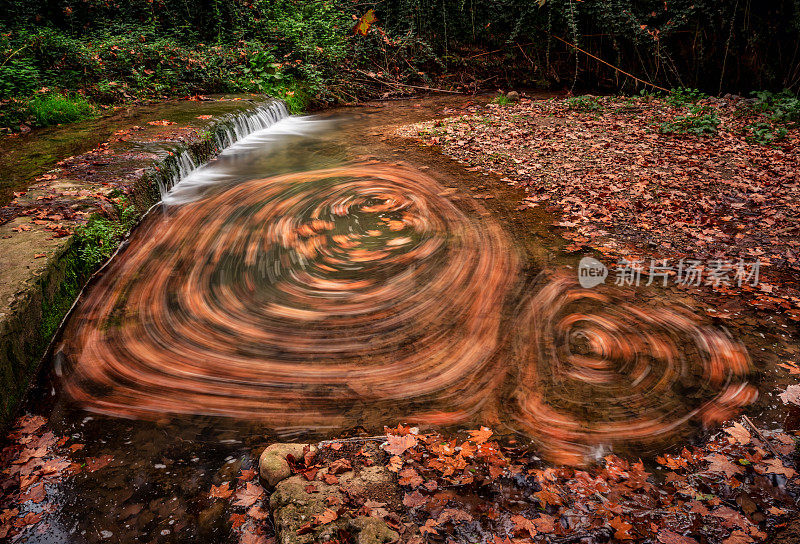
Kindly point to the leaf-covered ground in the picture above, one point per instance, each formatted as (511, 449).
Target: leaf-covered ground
(622, 186)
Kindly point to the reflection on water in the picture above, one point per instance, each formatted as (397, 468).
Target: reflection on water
(293, 288)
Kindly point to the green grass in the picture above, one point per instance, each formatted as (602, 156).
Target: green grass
(54, 109)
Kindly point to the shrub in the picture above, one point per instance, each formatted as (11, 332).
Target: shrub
(53, 109)
(783, 107)
(682, 96)
(584, 103)
(765, 133)
(699, 121)
(18, 77)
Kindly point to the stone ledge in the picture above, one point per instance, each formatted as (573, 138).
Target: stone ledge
(41, 272)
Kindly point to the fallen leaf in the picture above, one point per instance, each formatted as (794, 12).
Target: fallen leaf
(397, 445)
(251, 493)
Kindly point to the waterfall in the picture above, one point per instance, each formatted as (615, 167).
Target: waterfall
(185, 171)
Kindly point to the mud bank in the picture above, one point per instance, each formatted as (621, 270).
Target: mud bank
(47, 253)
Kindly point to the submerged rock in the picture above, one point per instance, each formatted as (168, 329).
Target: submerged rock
(273, 465)
(296, 501)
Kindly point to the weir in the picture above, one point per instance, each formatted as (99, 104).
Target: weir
(42, 271)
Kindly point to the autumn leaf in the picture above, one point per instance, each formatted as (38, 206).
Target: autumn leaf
(739, 433)
(415, 499)
(257, 513)
(35, 494)
(221, 491)
(480, 436)
(791, 395)
(775, 466)
(621, 529)
(409, 477)
(364, 22)
(397, 445)
(339, 466)
(720, 463)
(251, 493)
(247, 475)
(96, 463)
(327, 516)
(521, 524)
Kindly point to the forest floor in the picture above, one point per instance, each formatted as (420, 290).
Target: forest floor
(625, 186)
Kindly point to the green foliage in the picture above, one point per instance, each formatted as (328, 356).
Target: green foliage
(584, 103)
(18, 77)
(53, 109)
(782, 108)
(501, 100)
(681, 97)
(699, 121)
(100, 237)
(765, 133)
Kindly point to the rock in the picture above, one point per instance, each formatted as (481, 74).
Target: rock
(212, 518)
(372, 531)
(292, 506)
(513, 96)
(273, 466)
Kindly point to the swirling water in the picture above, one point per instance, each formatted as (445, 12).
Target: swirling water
(297, 288)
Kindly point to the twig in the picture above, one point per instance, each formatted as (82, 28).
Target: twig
(381, 438)
(760, 436)
(396, 84)
(620, 70)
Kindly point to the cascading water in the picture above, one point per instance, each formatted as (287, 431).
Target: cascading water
(229, 132)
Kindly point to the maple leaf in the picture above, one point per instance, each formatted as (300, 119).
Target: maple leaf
(237, 520)
(739, 433)
(221, 491)
(480, 436)
(415, 499)
(327, 516)
(409, 477)
(247, 475)
(621, 529)
(364, 22)
(521, 523)
(775, 466)
(429, 527)
(249, 495)
(257, 513)
(397, 445)
(720, 463)
(96, 463)
(665, 536)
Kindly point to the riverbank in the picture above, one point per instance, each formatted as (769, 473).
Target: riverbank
(93, 183)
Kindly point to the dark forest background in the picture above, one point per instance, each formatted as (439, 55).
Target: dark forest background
(110, 51)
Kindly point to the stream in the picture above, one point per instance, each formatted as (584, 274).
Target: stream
(324, 278)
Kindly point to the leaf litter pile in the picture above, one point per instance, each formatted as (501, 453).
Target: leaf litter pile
(738, 489)
(625, 188)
